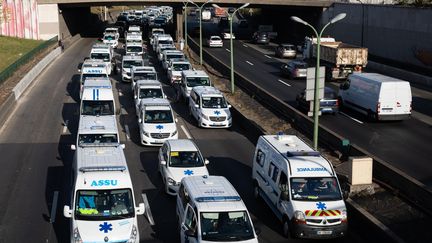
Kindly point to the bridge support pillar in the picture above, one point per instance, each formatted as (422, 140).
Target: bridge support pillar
(178, 23)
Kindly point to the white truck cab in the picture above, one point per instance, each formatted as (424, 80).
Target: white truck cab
(209, 107)
(147, 89)
(105, 53)
(193, 78)
(179, 158)
(92, 69)
(169, 54)
(127, 63)
(102, 206)
(97, 98)
(300, 186)
(175, 68)
(156, 121)
(143, 73)
(209, 209)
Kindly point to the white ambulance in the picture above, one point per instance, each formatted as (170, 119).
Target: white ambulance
(92, 69)
(162, 39)
(300, 186)
(105, 53)
(175, 68)
(168, 55)
(143, 73)
(193, 78)
(110, 39)
(97, 131)
(102, 207)
(134, 49)
(147, 89)
(209, 107)
(179, 158)
(156, 122)
(134, 38)
(127, 63)
(209, 209)
(97, 98)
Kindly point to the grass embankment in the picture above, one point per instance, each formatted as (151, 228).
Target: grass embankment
(11, 49)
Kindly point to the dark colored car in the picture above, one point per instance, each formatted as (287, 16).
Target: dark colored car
(328, 104)
(294, 69)
(261, 38)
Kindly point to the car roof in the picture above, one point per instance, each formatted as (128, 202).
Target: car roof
(181, 145)
(197, 73)
(206, 90)
(130, 57)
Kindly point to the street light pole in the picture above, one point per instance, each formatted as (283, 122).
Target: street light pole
(185, 24)
(200, 24)
(230, 18)
(316, 88)
(362, 26)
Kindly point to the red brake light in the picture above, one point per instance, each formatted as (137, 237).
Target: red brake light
(378, 107)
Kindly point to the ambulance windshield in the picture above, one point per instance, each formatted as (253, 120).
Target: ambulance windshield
(97, 139)
(226, 226)
(315, 189)
(97, 107)
(104, 204)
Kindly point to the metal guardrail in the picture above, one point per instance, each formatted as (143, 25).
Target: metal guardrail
(9, 71)
(404, 185)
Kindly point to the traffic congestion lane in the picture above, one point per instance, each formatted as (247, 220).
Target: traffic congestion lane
(386, 140)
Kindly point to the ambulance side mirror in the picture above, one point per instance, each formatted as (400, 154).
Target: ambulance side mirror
(73, 147)
(123, 146)
(135, 96)
(285, 195)
(206, 161)
(229, 106)
(139, 120)
(196, 106)
(67, 212)
(345, 194)
(176, 120)
(140, 210)
(79, 70)
(163, 162)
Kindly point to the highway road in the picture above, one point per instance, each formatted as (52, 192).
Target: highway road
(405, 145)
(36, 162)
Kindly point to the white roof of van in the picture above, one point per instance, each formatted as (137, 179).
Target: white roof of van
(206, 90)
(101, 46)
(213, 193)
(97, 125)
(303, 160)
(144, 82)
(182, 145)
(93, 63)
(143, 69)
(132, 58)
(154, 102)
(97, 83)
(195, 73)
(377, 77)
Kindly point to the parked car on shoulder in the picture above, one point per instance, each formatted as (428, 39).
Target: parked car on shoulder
(294, 69)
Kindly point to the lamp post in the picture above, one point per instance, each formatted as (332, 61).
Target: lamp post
(362, 26)
(230, 18)
(185, 24)
(316, 90)
(200, 17)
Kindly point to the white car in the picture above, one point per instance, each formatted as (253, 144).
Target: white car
(214, 41)
(156, 122)
(110, 39)
(177, 159)
(127, 63)
(146, 89)
(226, 35)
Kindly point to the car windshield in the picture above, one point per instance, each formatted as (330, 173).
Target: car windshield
(104, 204)
(185, 159)
(100, 56)
(181, 66)
(145, 76)
(157, 32)
(134, 49)
(198, 81)
(158, 116)
(150, 93)
(111, 31)
(97, 107)
(329, 93)
(165, 42)
(215, 38)
(97, 139)
(315, 189)
(214, 102)
(159, 21)
(129, 64)
(109, 37)
(171, 56)
(226, 226)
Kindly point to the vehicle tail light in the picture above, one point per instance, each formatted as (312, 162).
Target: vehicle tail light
(337, 103)
(410, 106)
(378, 107)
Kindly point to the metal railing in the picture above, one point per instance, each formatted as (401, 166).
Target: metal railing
(10, 70)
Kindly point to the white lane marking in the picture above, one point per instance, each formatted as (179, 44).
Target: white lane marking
(65, 126)
(147, 209)
(227, 50)
(268, 56)
(186, 132)
(352, 118)
(54, 207)
(249, 63)
(127, 132)
(245, 45)
(287, 84)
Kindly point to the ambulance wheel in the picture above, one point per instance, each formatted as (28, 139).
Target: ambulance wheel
(286, 228)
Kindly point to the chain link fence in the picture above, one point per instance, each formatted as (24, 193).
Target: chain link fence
(5, 74)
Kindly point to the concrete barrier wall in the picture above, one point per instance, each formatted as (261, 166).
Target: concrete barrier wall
(399, 34)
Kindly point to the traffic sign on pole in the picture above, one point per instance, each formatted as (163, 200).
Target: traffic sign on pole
(310, 83)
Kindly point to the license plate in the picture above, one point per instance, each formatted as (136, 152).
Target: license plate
(158, 141)
(324, 232)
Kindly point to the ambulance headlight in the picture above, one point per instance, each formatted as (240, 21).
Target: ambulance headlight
(171, 181)
(205, 117)
(229, 116)
(299, 216)
(174, 133)
(146, 134)
(344, 215)
(76, 236)
(133, 235)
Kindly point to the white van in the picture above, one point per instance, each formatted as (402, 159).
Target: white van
(127, 63)
(147, 89)
(102, 207)
(156, 122)
(110, 39)
(97, 98)
(209, 209)
(377, 96)
(209, 107)
(169, 54)
(162, 48)
(300, 186)
(162, 39)
(179, 158)
(134, 38)
(96, 131)
(193, 78)
(155, 32)
(175, 68)
(105, 53)
(143, 73)
(134, 49)
(92, 69)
